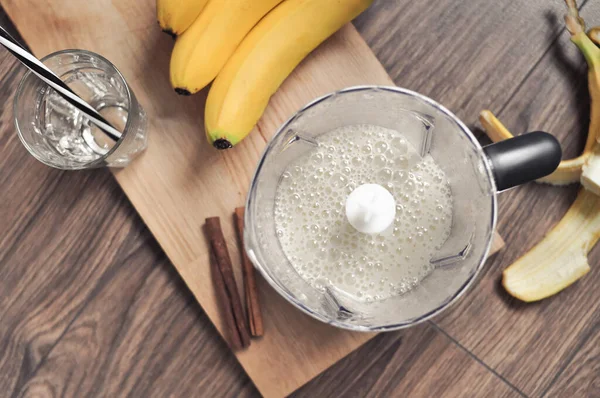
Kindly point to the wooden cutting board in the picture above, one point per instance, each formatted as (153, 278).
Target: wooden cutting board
(181, 180)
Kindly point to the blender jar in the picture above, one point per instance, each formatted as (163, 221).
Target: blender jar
(475, 175)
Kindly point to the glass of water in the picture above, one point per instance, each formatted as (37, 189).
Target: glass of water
(59, 135)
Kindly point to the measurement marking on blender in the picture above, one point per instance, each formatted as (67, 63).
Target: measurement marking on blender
(447, 260)
(428, 127)
(295, 137)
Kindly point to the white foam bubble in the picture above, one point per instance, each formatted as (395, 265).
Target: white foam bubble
(326, 250)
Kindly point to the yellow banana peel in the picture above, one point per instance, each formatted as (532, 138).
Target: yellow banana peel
(590, 173)
(561, 257)
(568, 171)
(594, 35)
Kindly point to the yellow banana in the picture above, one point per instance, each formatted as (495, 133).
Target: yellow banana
(200, 53)
(241, 92)
(175, 16)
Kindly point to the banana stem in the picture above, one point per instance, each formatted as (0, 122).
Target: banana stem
(591, 53)
(575, 24)
(588, 48)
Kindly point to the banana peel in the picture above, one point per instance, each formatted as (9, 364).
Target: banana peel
(569, 171)
(590, 173)
(561, 257)
(594, 35)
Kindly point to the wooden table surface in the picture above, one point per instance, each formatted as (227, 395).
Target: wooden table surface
(90, 306)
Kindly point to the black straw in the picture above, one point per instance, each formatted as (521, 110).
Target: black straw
(50, 78)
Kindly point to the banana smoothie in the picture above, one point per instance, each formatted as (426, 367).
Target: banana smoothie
(326, 249)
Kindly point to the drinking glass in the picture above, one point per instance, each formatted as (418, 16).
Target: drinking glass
(59, 135)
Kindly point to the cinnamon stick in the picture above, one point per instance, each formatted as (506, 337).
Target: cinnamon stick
(223, 262)
(232, 334)
(251, 291)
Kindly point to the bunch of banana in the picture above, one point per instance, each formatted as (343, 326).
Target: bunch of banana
(561, 257)
(175, 16)
(280, 41)
(251, 58)
(200, 53)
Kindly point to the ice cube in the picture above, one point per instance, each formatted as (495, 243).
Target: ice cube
(89, 86)
(63, 128)
(60, 116)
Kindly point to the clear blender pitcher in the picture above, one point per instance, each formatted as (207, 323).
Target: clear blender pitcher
(475, 175)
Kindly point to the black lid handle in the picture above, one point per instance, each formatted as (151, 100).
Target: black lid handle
(523, 158)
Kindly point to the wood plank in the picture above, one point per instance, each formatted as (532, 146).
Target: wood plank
(417, 362)
(468, 55)
(529, 344)
(49, 273)
(58, 237)
(141, 334)
(39, 299)
(581, 377)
